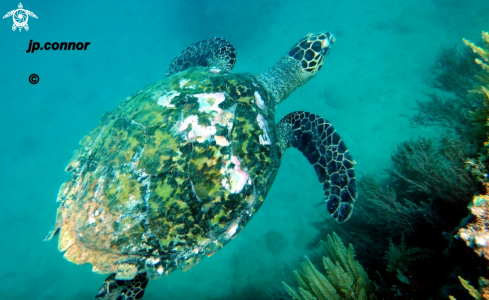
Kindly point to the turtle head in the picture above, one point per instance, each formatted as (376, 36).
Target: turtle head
(312, 50)
(298, 66)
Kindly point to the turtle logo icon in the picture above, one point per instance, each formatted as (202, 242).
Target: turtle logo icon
(20, 17)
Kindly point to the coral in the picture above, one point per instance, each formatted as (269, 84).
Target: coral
(454, 73)
(380, 199)
(404, 223)
(476, 234)
(482, 53)
(418, 167)
(424, 195)
(401, 258)
(379, 209)
(444, 111)
(472, 291)
(479, 170)
(345, 279)
(413, 270)
(481, 113)
(482, 293)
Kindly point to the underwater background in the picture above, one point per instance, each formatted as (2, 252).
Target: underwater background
(369, 83)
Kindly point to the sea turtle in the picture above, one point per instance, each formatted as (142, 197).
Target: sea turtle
(178, 169)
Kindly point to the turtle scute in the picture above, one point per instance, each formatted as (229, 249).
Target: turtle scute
(170, 176)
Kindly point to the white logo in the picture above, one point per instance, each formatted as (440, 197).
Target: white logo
(20, 17)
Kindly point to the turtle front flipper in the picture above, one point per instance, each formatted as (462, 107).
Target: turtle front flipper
(215, 53)
(114, 289)
(316, 138)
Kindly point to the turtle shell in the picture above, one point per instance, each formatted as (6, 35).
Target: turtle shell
(171, 175)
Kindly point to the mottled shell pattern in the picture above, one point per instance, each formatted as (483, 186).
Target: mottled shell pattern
(171, 175)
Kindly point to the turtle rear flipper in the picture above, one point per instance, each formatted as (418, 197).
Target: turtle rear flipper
(213, 53)
(114, 289)
(316, 138)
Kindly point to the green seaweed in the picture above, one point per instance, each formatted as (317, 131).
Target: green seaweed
(416, 208)
(472, 291)
(451, 106)
(481, 293)
(345, 279)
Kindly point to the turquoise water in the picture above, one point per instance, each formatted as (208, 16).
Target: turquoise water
(372, 77)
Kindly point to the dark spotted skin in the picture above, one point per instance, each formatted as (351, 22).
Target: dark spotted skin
(309, 51)
(213, 53)
(113, 289)
(316, 138)
(298, 66)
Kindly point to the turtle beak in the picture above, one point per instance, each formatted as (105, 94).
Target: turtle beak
(331, 38)
(329, 41)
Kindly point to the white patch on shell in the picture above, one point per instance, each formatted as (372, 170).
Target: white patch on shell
(183, 82)
(221, 140)
(165, 100)
(152, 261)
(214, 70)
(198, 132)
(232, 229)
(264, 138)
(235, 178)
(209, 104)
(259, 101)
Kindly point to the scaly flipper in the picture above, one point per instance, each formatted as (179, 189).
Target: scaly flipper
(213, 53)
(114, 289)
(322, 146)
